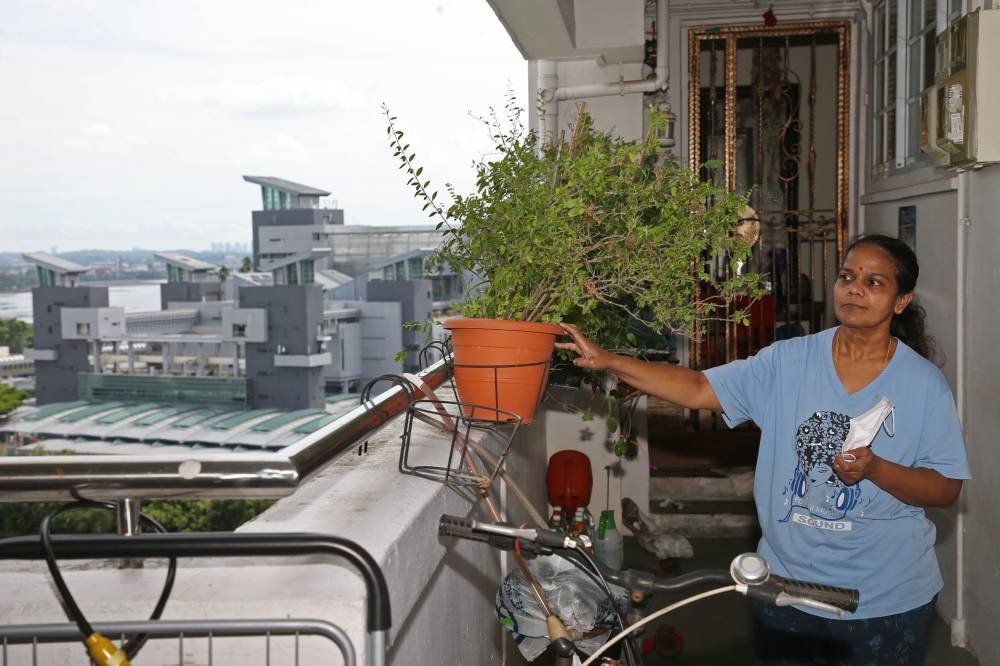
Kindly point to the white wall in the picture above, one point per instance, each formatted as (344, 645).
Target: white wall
(937, 240)
(936, 243)
(982, 422)
(565, 428)
(621, 114)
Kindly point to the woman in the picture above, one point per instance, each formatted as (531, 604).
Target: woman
(859, 433)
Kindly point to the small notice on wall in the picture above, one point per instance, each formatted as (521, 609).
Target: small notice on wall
(908, 226)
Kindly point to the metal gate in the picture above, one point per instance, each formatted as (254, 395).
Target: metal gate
(771, 106)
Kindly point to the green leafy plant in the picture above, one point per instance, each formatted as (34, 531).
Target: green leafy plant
(15, 334)
(20, 518)
(609, 234)
(10, 399)
(591, 229)
(424, 327)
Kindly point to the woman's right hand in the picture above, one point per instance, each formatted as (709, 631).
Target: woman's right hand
(590, 355)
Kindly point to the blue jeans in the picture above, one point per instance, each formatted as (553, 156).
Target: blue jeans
(789, 637)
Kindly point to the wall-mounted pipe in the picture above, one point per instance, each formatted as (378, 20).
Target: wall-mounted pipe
(552, 94)
(548, 81)
(958, 636)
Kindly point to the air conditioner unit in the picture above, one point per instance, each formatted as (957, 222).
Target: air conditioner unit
(928, 129)
(967, 98)
(942, 57)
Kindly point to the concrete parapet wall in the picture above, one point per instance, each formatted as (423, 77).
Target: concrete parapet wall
(442, 592)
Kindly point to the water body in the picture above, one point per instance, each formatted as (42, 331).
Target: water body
(134, 297)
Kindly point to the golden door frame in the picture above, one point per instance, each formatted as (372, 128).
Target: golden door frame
(730, 35)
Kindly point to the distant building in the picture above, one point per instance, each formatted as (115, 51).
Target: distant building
(188, 280)
(55, 271)
(14, 365)
(255, 340)
(60, 355)
(323, 313)
(281, 328)
(291, 221)
(181, 268)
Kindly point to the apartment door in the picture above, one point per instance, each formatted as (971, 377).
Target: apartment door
(769, 106)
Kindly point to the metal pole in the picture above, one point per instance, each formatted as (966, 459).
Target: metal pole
(127, 512)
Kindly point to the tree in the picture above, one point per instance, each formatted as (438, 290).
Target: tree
(15, 334)
(224, 273)
(246, 266)
(20, 518)
(10, 399)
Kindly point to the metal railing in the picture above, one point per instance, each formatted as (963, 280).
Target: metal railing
(19, 644)
(378, 618)
(205, 475)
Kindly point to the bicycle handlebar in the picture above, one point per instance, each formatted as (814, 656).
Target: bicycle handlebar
(499, 536)
(749, 570)
(754, 578)
(839, 597)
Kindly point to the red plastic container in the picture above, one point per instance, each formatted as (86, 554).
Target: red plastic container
(569, 480)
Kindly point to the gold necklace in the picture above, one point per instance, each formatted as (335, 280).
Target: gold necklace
(836, 354)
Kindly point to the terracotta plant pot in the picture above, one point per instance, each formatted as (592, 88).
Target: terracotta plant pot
(501, 365)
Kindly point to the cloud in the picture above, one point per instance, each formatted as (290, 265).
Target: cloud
(268, 97)
(276, 149)
(102, 138)
(139, 118)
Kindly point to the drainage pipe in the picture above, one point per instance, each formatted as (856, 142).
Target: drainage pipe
(552, 94)
(548, 83)
(958, 636)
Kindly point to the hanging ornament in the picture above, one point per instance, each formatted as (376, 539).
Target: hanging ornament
(660, 103)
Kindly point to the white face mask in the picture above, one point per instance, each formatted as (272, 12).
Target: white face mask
(864, 428)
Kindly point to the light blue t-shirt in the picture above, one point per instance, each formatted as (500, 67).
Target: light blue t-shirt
(813, 526)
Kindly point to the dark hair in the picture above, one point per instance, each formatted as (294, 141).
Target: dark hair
(908, 326)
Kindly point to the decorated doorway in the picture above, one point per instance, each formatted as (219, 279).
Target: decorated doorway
(769, 107)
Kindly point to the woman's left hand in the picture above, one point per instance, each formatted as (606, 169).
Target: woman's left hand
(854, 465)
(918, 486)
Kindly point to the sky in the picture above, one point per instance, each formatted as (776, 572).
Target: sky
(131, 123)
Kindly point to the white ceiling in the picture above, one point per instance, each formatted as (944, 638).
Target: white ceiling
(614, 29)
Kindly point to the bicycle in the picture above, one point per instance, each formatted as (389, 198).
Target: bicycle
(748, 574)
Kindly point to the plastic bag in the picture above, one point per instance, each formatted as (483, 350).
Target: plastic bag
(574, 597)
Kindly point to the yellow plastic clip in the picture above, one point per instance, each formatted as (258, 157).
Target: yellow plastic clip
(104, 652)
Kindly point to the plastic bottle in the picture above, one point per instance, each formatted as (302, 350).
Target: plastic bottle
(608, 544)
(579, 524)
(555, 521)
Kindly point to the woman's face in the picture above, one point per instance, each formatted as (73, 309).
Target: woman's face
(866, 294)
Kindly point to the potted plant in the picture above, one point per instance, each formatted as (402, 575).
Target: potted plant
(590, 229)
